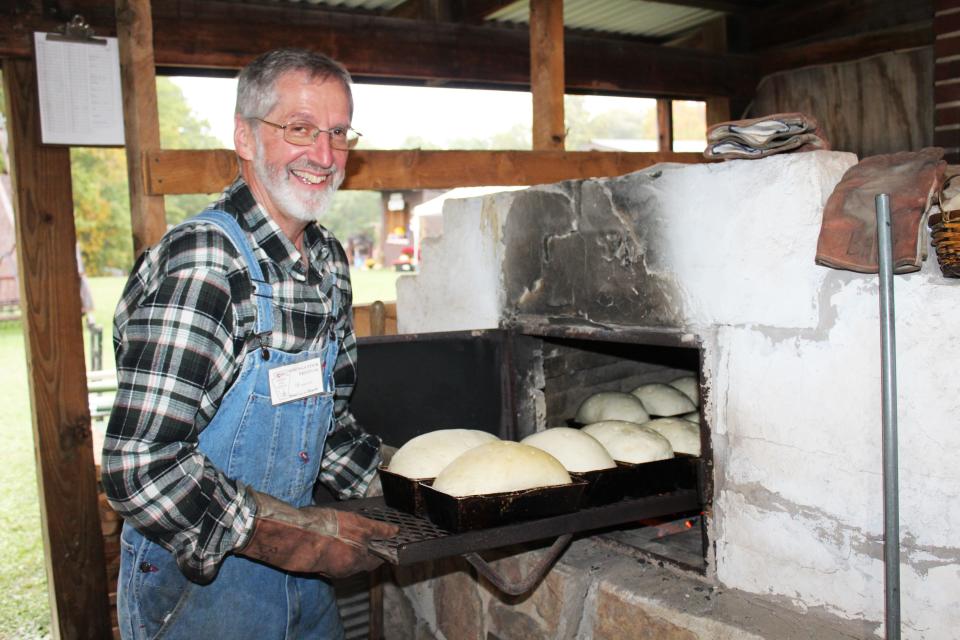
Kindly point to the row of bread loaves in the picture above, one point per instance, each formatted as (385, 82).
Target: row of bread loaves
(623, 420)
(465, 462)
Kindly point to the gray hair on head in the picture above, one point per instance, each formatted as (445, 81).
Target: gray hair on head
(256, 94)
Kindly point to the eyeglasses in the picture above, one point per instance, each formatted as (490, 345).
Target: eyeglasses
(304, 134)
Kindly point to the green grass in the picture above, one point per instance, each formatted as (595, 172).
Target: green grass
(24, 607)
(373, 285)
(24, 610)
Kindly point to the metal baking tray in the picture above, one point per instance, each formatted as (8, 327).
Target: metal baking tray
(602, 487)
(403, 493)
(420, 540)
(662, 476)
(458, 514)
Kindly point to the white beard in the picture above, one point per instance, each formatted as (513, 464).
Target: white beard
(276, 181)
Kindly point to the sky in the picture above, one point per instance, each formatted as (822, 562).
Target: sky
(388, 115)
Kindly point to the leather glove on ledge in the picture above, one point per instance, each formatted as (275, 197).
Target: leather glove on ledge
(312, 539)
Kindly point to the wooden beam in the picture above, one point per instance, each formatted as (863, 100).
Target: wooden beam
(375, 319)
(777, 25)
(665, 125)
(546, 74)
(214, 34)
(434, 10)
(715, 40)
(141, 120)
(50, 302)
(847, 49)
(476, 11)
(727, 6)
(208, 171)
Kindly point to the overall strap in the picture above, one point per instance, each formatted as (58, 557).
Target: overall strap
(262, 291)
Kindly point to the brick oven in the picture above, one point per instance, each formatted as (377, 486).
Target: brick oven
(705, 269)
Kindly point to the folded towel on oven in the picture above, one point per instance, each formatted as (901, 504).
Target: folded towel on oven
(765, 136)
(848, 232)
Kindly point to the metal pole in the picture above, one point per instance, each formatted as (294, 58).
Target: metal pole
(891, 494)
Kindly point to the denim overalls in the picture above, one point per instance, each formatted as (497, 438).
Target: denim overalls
(275, 450)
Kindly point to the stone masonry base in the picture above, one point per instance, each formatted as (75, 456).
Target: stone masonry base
(598, 590)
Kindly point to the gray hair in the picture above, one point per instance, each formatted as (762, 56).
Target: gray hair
(256, 86)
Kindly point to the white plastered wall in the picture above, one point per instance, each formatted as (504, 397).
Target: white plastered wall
(792, 361)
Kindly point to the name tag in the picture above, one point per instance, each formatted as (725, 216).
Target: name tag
(295, 381)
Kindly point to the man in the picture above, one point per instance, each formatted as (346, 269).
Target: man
(235, 362)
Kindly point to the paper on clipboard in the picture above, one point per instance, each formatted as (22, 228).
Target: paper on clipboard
(79, 88)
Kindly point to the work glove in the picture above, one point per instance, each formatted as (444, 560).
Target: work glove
(375, 488)
(312, 539)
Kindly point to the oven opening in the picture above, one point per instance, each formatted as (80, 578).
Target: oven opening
(516, 381)
(573, 369)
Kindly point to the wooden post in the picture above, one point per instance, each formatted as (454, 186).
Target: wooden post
(378, 319)
(140, 118)
(50, 302)
(546, 74)
(715, 39)
(664, 125)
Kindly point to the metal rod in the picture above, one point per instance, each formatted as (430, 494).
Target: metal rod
(528, 582)
(891, 493)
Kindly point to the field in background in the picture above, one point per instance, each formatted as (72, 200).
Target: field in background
(24, 607)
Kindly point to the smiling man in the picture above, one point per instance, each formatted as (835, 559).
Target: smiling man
(235, 361)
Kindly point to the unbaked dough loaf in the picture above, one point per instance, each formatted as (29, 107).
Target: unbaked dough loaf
(693, 416)
(629, 442)
(576, 450)
(684, 436)
(611, 405)
(427, 454)
(500, 466)
(689, 386)
(663, 400)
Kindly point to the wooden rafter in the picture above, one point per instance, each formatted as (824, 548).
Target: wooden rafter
(727, 6)
(848, 48)
(201, 171)
(476, 11)
(780, 25)
(214, 34)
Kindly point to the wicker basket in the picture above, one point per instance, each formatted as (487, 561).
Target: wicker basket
(945, 228)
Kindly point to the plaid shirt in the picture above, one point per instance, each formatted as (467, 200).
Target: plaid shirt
(181, 331)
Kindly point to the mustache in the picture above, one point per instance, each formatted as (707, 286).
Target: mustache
(306, 165)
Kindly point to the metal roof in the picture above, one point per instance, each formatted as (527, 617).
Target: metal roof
(623, 17)
(627, 17)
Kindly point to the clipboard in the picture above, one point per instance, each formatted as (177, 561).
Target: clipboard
(77, 30)
(78, 82)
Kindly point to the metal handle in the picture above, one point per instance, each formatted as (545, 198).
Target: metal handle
(891, 498)
(527, 583)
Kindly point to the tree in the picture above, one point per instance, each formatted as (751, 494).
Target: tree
(100, 190)
(584, 127)
(180, 129)
(101, 205)
(353, 213)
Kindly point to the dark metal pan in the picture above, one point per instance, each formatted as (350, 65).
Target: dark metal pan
(496, 509)
(662, 476)
(402, 493)
(603, 485)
